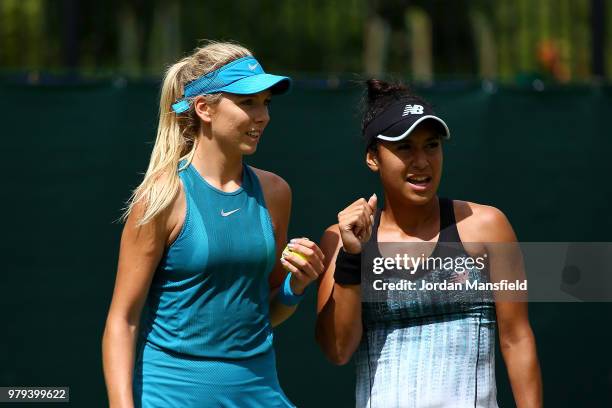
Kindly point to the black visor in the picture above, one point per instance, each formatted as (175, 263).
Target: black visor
(400, 119)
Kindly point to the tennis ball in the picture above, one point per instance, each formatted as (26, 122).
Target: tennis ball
(288, 251)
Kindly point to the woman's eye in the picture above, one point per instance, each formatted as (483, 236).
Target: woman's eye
(433, 145)
(246, 102)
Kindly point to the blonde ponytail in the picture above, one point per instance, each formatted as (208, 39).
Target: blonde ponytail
(177, 134)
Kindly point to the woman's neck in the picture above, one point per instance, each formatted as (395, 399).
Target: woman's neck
(220, 169)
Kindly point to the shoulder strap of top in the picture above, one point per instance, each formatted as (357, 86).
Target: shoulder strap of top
(186, 175)
(370, 248)
(252, 186)
(448, 224)
(374, 236)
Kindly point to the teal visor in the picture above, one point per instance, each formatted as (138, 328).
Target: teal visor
(242, 76)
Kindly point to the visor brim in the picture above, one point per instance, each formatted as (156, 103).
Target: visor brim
(399, 132)
(257, 83)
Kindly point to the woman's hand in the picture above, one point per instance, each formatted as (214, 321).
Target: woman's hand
(355, 224)
(304, 261)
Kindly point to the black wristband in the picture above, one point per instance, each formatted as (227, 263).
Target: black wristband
(348, 268)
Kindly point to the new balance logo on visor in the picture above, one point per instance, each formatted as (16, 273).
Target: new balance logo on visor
(413, 109)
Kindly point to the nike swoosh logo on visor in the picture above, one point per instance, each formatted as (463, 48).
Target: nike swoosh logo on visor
(252, 67)
(225, 214)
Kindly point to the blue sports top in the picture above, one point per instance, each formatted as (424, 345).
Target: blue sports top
(209, 295)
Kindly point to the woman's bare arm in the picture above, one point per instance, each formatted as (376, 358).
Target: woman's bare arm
(338, 328)
(516, 338)
(140, 252)
(277, 194)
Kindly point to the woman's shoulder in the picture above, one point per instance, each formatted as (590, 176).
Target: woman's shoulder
(481, 223)
(272, 184)
(172, 216)
(476, 211)
(277, 196)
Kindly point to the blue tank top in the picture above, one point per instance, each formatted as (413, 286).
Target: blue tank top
(209, 295)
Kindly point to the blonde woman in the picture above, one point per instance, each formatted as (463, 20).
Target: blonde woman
(202, 248)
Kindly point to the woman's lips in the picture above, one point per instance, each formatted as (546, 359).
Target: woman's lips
(254, 135)
(419, 183)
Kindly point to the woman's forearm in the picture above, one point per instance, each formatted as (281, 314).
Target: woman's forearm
(524, 371)
(339, 328)
(278, 311)
(118, 352)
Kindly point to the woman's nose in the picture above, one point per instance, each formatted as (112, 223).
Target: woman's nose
(262, 115)
(419, 159)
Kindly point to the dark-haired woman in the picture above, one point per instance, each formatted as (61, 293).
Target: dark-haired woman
(419, 348)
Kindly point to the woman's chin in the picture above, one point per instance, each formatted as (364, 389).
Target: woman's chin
(248, 150)
(420, 200)
(420, 197)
